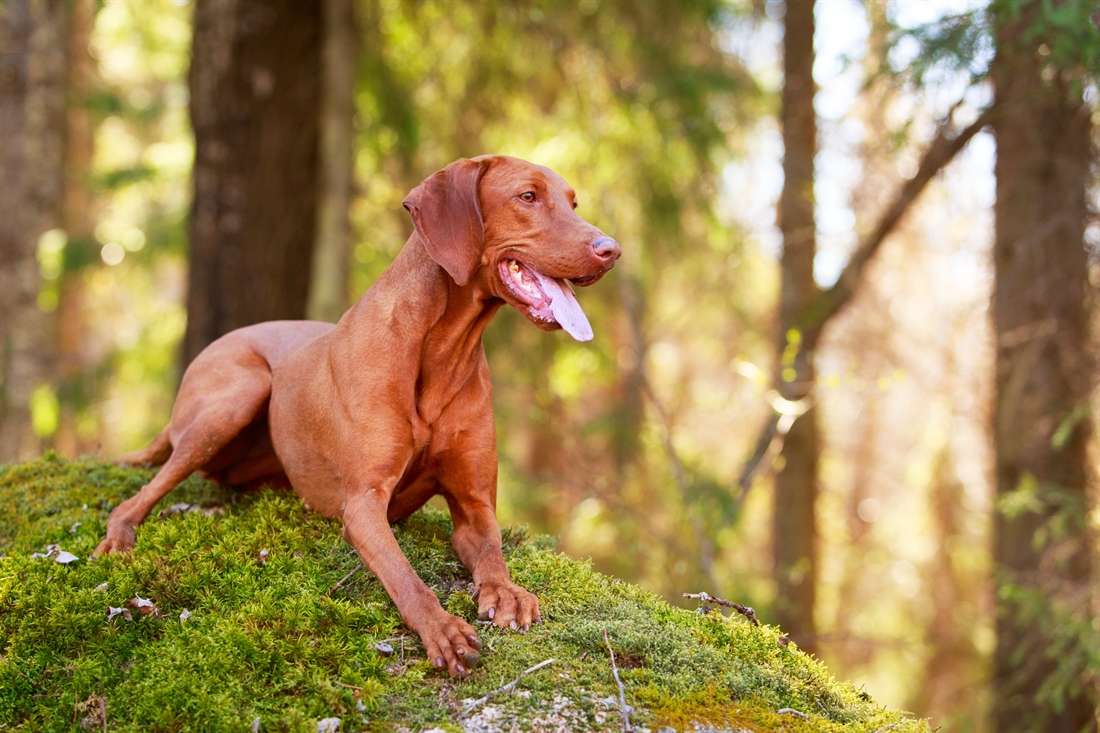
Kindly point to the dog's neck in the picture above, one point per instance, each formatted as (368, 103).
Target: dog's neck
(445, 331)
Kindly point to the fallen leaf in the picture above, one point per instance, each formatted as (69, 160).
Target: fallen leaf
(101, 587)
(147, 607)
(65, 557)
(72, 529)
(184, 615)
(112, 612)
(263, 557)
(383, 648)
(328, 725)
(256, 724)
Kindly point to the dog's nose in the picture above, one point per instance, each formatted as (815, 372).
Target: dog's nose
(607, 249)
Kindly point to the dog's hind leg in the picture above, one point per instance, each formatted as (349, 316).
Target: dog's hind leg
(154, 454)
(216, 402)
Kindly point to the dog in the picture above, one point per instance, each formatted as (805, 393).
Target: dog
(369, 418)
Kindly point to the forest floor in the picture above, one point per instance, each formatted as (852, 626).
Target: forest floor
(231, 616)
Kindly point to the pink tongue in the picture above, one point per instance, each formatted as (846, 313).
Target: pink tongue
(563, 304)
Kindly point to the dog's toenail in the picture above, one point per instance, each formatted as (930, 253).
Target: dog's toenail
(492, 612)
(513, 625)
(439, 662)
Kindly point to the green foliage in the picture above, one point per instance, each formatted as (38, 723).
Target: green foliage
(1062, 609)
(959, 43)
(1065, 32)
(266, 639)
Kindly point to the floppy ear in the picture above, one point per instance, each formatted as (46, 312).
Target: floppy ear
(447, 216)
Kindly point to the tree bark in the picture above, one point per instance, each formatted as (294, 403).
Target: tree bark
(328, 293)
(33, 35)
(794, 525)
(1045, 370)
(79, 222)
(255, 98)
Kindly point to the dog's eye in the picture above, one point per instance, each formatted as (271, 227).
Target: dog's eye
(528, 196)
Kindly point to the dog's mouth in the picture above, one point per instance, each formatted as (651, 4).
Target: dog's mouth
(548, 300)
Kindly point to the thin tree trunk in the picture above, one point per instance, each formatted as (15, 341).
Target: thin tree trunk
(255, 99)
(1045, 367)
(80, 220)
(794, 526)
(33, 35)
(328, 293)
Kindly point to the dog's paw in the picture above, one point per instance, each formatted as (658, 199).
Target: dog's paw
(117, 543)
(451, 643)
(507, 605)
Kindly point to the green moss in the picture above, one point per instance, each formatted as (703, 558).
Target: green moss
(266, 640)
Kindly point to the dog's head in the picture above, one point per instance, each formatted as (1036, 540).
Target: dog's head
(509, 226)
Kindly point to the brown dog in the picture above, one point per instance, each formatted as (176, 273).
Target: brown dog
(370, 418)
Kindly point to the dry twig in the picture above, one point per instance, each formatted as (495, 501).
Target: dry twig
(792, 711)
(345, 579)
(745, 611)
(504, 688)
(622, 693)
(888, 727)
(17, 670)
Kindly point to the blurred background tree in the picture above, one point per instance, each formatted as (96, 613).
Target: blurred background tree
(815, 418)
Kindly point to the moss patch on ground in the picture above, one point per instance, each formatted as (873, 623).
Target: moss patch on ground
(266, 641)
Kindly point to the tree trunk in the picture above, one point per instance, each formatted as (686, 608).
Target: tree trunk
(794, 527)
(255, 98)
(1045, 367)
(328, 293)
(33, 35)
(80, 221)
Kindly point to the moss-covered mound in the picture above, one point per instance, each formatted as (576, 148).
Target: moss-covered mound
(244, 631)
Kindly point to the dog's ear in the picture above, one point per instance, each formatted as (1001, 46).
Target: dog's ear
(447, 216)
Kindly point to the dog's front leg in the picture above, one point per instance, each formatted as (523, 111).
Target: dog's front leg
(477, 542)
(448, 640)
(469, 483)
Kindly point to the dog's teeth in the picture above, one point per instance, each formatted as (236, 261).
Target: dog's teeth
(513, 266)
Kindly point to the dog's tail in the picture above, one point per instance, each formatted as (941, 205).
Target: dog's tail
(155, 454)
